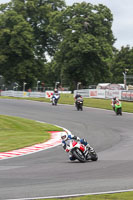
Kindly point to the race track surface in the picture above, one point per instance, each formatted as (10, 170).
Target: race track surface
(50, 173)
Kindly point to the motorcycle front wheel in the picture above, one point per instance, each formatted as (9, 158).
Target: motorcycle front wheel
(78, 155)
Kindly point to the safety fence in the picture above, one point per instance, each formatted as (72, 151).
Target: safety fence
(127, 95)
(106, 94)
(86, 93)
(46, 94)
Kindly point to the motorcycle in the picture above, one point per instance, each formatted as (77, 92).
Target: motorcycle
(79, 104)
(77, 150)
(118, 108)
(55, 99)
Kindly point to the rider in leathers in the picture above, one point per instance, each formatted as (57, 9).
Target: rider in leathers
(78, 96)
(56, 93)
(113, 102)
(65, 142)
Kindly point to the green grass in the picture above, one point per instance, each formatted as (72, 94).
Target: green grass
(115, 196)
(17, 132)
(106, 104)
(89, 102)
(96, 103)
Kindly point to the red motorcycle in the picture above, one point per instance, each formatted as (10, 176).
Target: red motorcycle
(80, 152)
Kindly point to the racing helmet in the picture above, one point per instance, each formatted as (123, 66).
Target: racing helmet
(55, 90)
(64, 136)
(114, 98)
(78, 95)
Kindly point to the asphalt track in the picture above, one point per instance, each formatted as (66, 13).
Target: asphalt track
(50, 173)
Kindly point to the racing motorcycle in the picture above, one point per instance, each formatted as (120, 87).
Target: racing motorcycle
(80, 152)
(79, 104)
(118, 108)
(55, 99)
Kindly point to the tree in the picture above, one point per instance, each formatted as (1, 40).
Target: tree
(38, 14)
(16, 50)
(25, 39)
(86, 46)
(123, 59)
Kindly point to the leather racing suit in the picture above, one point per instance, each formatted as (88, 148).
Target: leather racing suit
(65, 143)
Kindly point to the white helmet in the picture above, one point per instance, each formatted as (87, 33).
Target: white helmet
(64, 136)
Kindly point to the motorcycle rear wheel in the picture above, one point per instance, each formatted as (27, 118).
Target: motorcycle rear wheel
(77, 108)
(94, 156)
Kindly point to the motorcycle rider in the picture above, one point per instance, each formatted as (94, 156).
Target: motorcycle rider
(55, 93)
(78, 96)
(114, 101)
(55, 90)
(65, 144)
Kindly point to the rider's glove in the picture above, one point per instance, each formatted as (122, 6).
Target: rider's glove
(67, 150)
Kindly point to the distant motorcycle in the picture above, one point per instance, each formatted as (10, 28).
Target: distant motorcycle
(79, 104)
(77, 150)
(118, 108)
(55, 99)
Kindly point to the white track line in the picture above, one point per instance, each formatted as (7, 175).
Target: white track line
(74, 195)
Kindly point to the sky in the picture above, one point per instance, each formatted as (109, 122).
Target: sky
(122, 26)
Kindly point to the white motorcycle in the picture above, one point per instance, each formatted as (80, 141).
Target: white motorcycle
(80, 152)
(55, 99)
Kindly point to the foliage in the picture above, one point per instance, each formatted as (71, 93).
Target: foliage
(78, 39)
(87, 44)
(16, 51)
(123, 60)
(25, 39)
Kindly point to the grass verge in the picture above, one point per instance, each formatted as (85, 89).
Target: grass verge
(89, 102)
(65, 99)
(115, 196)
(16, 133)
(96, 103)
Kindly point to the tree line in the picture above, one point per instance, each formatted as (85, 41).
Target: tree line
(46, 41)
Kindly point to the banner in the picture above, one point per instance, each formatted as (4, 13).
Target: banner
(48, 94)
(109, 94)
(127, 95)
